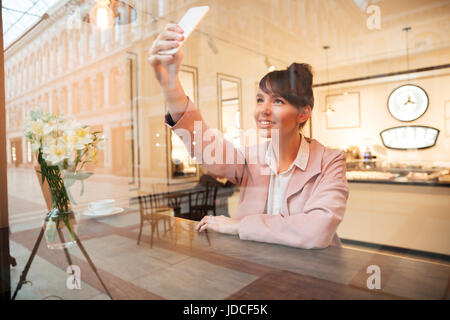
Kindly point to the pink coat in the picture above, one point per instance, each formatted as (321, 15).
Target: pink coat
(315, 199)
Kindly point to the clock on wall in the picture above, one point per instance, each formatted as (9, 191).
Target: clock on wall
(408, 102)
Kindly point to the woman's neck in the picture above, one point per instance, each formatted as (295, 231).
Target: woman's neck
(286, 150)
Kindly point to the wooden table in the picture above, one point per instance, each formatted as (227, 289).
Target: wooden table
(332, 273)
(184, 264)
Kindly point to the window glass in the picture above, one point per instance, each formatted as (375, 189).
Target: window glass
(362, 192)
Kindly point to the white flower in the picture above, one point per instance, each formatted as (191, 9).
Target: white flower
(76, 136)
(61, 143)
(55, 151)
(36, 128)
(48, 127)
(35, 146)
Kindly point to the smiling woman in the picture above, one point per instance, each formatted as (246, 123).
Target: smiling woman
(302, 183)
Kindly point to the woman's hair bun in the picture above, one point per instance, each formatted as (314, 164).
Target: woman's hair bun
(293, 84)
(303, 71)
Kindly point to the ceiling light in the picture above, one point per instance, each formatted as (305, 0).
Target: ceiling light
(269, 66)
(329, 110)
(107, 13)
(102, 15)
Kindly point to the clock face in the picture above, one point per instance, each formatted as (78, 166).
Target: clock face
(408, 102)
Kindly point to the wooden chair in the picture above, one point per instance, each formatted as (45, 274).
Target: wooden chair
(197, 204)
(211, 196)
(150, 212)
(162, 203)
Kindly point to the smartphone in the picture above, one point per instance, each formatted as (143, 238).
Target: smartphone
(188, 23)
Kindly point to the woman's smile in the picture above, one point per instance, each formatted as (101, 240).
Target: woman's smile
(263, 124)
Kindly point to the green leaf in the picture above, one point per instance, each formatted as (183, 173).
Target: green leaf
(82, 188)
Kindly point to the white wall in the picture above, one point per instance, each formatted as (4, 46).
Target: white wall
(375, 117)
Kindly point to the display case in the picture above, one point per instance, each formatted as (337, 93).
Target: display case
(399, 172)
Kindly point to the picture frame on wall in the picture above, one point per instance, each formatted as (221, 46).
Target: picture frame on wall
(347, 111)
(181, 168)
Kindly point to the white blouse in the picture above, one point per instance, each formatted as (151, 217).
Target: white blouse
(279, 182)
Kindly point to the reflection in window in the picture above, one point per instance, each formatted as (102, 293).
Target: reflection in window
(13, 154)
(230, 108)
(29, 154)
(181, 165)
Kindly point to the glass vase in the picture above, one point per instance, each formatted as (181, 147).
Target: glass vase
(61, 229)
(61, 223)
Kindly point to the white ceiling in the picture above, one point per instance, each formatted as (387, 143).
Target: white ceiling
(19, 15)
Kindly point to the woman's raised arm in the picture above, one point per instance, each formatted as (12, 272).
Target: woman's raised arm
(166, 69)
(203, 144)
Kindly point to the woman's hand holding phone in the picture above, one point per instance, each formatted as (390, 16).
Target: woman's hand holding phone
(166, 66)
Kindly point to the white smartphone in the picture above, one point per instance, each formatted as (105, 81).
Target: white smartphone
(188, 23)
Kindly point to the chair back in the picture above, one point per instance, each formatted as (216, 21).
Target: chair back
(197, 204)
(146, 203)
(211, 195)
(198, 198)
(158, 189)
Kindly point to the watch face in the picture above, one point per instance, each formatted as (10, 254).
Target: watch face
(408, 102)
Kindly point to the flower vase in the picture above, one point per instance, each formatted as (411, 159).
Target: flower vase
(61, 221)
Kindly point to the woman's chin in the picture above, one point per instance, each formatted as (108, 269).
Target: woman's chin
(268, 132)
(265, 133)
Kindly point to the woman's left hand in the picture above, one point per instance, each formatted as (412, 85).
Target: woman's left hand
(220, 224)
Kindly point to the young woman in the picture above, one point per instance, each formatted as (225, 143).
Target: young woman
(297, 195)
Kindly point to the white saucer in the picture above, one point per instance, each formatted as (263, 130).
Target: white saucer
(103, 214)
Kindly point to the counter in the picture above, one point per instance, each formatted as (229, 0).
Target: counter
(405, 215)
(404, 183)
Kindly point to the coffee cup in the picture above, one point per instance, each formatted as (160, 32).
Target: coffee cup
(101, 206)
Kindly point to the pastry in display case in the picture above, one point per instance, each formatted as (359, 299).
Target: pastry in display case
(398, 172)
(445, 178)
(369, 175)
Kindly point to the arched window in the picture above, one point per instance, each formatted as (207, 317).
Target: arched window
(55, 105)
(63, 101)
(113, 86)
(26, 74)
(46, 103)
(14, 82)
(32, 71)
(87, 100)
(54, 48)
(38, 67)
(19, 78)
(64, 51)
(98, 92)
(46, 69)
(75, 98)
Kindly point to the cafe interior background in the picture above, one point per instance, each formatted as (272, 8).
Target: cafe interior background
(363, 60)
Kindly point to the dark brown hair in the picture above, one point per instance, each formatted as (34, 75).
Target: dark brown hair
(293, 84)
